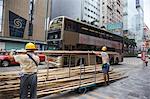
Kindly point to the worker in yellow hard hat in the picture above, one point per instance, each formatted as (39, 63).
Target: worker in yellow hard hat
(28, 75)
(104, 48)
(30, 47)
(105, 64)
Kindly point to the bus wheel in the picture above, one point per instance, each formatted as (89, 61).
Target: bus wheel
(111, 61)
(82, 90)
(117, 60)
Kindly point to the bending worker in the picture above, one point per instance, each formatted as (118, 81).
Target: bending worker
(105, 64)
(28, 75)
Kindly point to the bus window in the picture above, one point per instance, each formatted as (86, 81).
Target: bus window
(56, 24)
(81, 61)
(54, 35)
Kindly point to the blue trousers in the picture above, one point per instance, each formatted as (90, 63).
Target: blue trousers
(105, 68)
(28, 82)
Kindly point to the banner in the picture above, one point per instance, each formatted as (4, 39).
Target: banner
(17, 25)
(113, 26)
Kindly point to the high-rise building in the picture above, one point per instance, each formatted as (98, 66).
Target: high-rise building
(112, 15)
(134, 20)
(85, 10)
(125, 18)
(106, 12)
(139, 22)
(22, 21)
(129, 19)
(118, 11)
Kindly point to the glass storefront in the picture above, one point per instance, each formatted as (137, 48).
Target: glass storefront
(1, 12)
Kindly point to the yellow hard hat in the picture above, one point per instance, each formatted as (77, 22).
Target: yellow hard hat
(30, 46)
(104, 48)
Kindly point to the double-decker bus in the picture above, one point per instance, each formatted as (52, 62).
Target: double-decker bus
(68, 34)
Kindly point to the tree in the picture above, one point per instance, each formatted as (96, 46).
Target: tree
(130, 44)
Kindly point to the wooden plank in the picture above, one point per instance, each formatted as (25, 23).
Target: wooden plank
(57, 81)
(54, 82)
(50, 52)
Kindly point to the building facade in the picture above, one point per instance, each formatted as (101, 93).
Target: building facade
(112, 15)
(146, 33)
(125, 18)
(106, 12)
(129, 19)
(134, 21)
(85, 10)
(139, 22)
(22, 21)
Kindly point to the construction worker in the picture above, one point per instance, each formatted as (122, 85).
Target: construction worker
(28, 75)
(105, 64)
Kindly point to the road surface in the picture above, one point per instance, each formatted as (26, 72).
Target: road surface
(135, 86)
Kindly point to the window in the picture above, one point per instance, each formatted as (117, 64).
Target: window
(85, 7)
(70, 25)
(31, 9)
(118, 11)
(56, 24)
(1, 12)
(54, 35)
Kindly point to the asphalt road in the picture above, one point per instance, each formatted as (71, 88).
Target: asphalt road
(135, 86)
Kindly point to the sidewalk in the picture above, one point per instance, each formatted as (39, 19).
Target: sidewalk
(136, 86)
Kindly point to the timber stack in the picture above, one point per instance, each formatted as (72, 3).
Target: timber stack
(56, 80)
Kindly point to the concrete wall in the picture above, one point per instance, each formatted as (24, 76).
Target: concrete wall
(21, 8)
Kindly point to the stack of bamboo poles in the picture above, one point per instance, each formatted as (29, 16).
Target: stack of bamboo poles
(58, 80)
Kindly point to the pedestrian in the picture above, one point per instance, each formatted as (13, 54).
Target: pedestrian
(144, 58)
(146, 61)
(28, 75)
(105, 64)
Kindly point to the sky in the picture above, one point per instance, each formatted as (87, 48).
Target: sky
(147, 12)
(132, 12)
